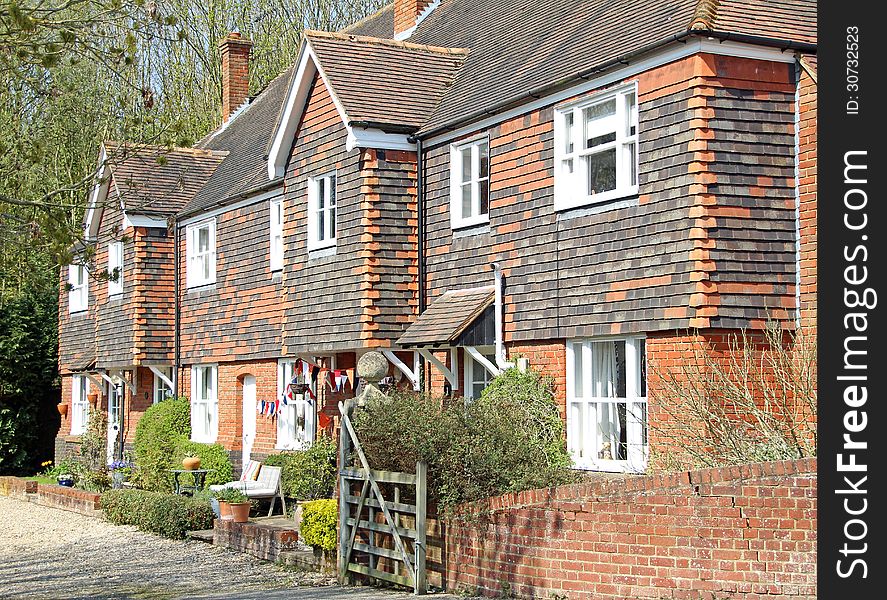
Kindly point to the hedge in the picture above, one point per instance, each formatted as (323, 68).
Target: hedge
(307, 474)
(158, 433)
(318, 527)
(164, 514)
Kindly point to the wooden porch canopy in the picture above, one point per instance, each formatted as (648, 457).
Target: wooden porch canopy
(459, 318)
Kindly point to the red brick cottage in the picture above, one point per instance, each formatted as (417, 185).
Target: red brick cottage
(459, 183)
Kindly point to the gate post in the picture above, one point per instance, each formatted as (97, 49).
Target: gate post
(421, 533)
(344, 508)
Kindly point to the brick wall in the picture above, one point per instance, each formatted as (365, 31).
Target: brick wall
(807, 193)
(741, 532)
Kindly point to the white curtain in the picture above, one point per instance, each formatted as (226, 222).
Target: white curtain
(604, 373)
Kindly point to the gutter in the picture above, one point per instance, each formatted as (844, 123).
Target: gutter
(540, 92)
(273, 183)
(420, 243)
(386, 127)
(501, 363)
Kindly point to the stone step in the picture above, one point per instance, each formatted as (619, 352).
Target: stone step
(202, 535)
(308, 560)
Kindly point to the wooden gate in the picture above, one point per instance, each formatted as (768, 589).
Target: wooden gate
(383, 539)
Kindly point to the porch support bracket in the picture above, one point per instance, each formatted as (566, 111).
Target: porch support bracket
(450, 375)
(412, 374)
(480, 358)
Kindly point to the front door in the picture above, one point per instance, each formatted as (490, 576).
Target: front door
(249, 416)
(115, 394)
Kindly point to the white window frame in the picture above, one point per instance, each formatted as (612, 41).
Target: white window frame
(115, 261)
(161, 391)
(476, 372)
(275, 253)
(457, 219)
(78, 293)
(582, 409)
(204, 405)
(570, 187)
(201, 268)
(331, 204)
(290, 436)
(80, 385)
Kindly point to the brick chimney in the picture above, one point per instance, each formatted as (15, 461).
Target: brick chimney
(235, 73)
(406, 12)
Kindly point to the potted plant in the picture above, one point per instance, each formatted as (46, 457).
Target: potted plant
(191, 462)
(65, 479)
(62, 408)
(120, 471)
(93, 399)
(233, 505)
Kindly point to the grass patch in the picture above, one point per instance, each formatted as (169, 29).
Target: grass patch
(42, 479)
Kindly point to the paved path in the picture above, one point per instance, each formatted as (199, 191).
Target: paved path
(47, 553)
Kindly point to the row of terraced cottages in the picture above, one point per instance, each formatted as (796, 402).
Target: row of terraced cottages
(585, 184)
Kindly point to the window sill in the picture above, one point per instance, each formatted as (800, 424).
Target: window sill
(321, 252)
(472, 222)
(79, 311)
(474, 230)
(209, 286)
(602, 201)
(610, 466)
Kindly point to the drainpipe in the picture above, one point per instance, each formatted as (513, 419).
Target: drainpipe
(420, 244)
(176, 311)
(500, 333)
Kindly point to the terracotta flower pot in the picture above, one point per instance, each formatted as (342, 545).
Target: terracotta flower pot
(93, 398)
(63, 409)
(240, 511)
(225, 511)
(191, 462)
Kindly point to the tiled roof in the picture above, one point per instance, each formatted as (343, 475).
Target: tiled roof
(385, 83)
(783, 19)
(156, 180)
(522, 47)
(379, 24)
(246, 140)
(447, 317)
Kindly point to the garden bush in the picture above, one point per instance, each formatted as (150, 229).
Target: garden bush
(159, 431)
(510, 439)
(212, 456)
(318, 527)
(308, 474)
(164, 514)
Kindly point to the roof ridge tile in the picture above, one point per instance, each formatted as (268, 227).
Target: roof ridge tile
(705, 14)
(348, 37)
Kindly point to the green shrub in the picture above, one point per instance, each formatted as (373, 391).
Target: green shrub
(318, 527)
(159, 430)
(164, 514)
(308, 474)
(510, 439)
(212, 456)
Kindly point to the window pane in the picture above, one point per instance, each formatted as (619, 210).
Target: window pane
(596, 124)
(321, 229)
(600, 139)
(578, 371)
(484, 192)
(466, 201)
(630, 159)
(601, 169)
(332, 184)
(630, 114)
(567, 166)
(612, 431)
(332, 220)
(465, 154)
(203, 239)
(321, 193)
(484, 149)
(569, 133)
(642, 362)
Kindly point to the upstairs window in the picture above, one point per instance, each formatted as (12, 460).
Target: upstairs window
(596, 149)
(470, 183)
(276, 228)
(78, 288)
(204, 404)
(115, 268)
(322, 211)
(201, 244)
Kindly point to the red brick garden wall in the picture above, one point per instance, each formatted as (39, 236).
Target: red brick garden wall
(741, 532)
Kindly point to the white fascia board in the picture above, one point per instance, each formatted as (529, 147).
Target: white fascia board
(670, 53)
(142, 221)
(98, 196)
(296, 101)
(376, 138)
(285, 132)
(275, 193)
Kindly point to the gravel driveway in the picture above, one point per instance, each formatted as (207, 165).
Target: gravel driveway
(51, 553)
